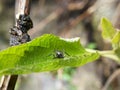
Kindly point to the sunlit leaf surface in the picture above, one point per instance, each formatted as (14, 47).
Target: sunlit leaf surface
(41, 54)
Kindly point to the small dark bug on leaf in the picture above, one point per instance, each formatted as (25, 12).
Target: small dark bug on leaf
(59, 54)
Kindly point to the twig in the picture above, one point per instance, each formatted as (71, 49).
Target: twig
(4, 82)
(111, 78)
(18, 35)
(47, 20)
(76, 5)
(55, 14)
(75, 21)
(12, 82)
(116, 17)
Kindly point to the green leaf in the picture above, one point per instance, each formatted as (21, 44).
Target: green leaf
(109, 32)
(116, 40)
(40, 55)
(116, 44)
(108, 29)
(117, 53)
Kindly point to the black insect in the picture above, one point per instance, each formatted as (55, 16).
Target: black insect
(59, 54)
(24, 23)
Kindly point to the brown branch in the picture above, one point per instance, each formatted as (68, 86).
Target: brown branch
(18, 35)
(75, 21)
(76, 6)
(12, 82)
(4, 82)
(47, 20)
(8, 82)
(55, 14)
(116, 17)
(111, 78)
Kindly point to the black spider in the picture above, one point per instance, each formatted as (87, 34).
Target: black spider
(59, 54)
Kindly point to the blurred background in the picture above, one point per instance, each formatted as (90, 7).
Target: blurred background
(68, 19)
